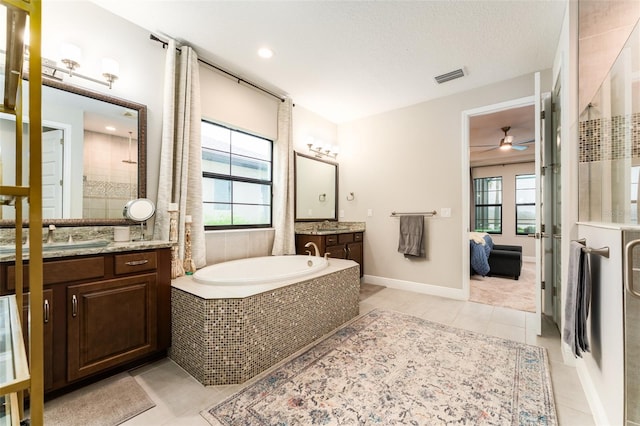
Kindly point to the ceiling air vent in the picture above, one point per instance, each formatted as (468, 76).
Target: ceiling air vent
(449, 76)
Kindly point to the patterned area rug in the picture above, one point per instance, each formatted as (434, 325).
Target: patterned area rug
(389, 368)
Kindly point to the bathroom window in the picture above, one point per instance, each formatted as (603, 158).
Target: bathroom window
(488, 204)
(237, 178)
(525, 204)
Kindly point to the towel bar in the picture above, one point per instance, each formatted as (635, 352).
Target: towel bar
(602, 251)
(427, 214)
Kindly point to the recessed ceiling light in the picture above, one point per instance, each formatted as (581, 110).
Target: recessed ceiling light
(110, 128)
(265, 52)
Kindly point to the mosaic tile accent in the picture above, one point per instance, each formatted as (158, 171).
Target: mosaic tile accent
(229, 341)
(107, 189)
(609, 138)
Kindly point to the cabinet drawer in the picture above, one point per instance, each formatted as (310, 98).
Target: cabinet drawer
(62, 271)
(345, 238)
(357, 236)
(135, 262)
(331, 240)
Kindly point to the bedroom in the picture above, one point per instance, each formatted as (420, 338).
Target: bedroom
(503, 198)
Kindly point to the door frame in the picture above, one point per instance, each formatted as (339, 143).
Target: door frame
(466, 185)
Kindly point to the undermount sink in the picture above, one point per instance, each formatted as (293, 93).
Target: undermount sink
(59, 246)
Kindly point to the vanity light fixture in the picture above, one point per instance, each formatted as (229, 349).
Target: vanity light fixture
(110, 70)
(321, 150)
(71, 56)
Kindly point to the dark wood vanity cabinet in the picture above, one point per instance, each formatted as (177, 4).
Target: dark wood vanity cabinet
(109, 323)
(339, 246)
(101, 312)
(47, 307)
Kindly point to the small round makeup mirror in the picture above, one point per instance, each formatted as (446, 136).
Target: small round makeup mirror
(139, 210)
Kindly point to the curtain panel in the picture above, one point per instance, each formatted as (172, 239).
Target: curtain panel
(180, 178)
(283, 184)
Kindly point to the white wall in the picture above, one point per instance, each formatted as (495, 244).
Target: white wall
(508, 173)
(408, 160)
(309, 124)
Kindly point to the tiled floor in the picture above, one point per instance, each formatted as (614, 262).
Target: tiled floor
(179, 398)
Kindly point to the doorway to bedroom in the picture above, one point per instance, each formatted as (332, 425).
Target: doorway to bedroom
(502, 206)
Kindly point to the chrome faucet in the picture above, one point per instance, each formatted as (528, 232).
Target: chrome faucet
(315, 248)
(50, 234)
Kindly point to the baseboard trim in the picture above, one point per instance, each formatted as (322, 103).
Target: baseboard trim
(595, 404)
(433, 290)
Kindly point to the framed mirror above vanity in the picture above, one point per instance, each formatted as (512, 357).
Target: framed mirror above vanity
(94, 156)
(316, 189)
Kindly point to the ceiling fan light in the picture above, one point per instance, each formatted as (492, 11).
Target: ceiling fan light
(504, 145)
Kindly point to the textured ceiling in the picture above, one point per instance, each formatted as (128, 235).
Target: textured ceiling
(345, 60)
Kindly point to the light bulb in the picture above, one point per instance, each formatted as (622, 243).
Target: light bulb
(110, 66)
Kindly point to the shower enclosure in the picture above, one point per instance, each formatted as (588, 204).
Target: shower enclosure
(608, 175)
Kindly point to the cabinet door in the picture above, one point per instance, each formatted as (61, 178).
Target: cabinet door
(109, 323)
(337, 252)
(354, 252)
(47, 296)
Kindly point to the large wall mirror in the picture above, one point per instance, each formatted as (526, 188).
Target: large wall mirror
(316, 189)
(93, 160)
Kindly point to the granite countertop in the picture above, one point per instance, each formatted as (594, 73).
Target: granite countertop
(109, 247)
(323, 228)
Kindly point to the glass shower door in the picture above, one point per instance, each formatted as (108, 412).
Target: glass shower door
(632, 328)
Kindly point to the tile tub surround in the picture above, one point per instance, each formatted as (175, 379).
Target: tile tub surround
(221, 341)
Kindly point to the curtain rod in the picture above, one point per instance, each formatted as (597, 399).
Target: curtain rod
(230, 74)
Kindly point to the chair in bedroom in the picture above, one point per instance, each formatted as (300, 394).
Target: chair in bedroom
(505, 260)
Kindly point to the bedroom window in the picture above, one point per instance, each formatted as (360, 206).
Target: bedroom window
(488, 204)
(525, 204)
(236, 178)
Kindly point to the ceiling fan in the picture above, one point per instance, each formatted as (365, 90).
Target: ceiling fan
(506, 143)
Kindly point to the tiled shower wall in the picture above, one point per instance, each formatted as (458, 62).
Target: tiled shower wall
(614, 138)
(608, 149)
(113, 180)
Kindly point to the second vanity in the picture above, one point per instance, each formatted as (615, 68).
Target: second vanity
(104, 308)
(340, 240)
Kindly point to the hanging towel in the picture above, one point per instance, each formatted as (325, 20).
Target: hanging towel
(584, 298)
(577, 301)
(411, 236)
